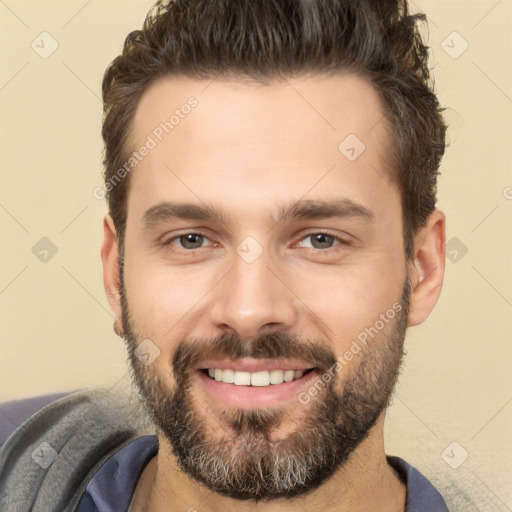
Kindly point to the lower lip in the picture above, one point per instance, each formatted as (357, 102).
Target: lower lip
(249, 397)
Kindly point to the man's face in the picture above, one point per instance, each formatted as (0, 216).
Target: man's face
(257, 290)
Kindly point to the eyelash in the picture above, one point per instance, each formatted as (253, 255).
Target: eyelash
(342, 242)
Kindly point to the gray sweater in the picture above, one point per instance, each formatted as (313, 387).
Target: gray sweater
(46, 464)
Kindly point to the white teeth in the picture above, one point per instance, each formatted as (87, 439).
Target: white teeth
(263, 378)
(228, 376)
(242, 378)
(288, 375)
(260, 378)
(276, 377)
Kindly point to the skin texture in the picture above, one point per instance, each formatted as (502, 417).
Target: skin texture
(246, 150)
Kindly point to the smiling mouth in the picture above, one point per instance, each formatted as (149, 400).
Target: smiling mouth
(257, 379)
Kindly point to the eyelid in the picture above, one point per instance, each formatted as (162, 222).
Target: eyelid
(165, 242)
(340, 239)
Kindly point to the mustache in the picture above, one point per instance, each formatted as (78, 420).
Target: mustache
(276, 345)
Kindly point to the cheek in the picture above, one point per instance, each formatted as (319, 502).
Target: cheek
(155, 309)
(163, 299)
(154, 297)
(344, 302)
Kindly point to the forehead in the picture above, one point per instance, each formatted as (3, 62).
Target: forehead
(210, 135)
(317, 108)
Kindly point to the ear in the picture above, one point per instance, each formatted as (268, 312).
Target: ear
(109, 257)
(426, 271)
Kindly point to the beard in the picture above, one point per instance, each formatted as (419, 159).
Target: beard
(241, 453)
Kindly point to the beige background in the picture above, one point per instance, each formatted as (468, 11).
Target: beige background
(56, 323)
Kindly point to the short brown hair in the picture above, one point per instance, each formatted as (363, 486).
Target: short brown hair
(271, 39)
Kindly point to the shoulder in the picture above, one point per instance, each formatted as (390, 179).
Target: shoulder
(422, 496)
(16, 412)
(51, 456)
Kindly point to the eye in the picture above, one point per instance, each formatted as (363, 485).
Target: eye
(187, 241)
(323, 240)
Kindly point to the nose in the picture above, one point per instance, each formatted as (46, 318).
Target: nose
(252, 298)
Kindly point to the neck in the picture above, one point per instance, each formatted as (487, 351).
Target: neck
(365, 482)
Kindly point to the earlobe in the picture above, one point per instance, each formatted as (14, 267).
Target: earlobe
(110, 259)
(427, 268)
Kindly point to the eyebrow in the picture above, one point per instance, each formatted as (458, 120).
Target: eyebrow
(298, 210)
(323, 209)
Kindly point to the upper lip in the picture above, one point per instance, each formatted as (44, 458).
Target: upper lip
(253, 365)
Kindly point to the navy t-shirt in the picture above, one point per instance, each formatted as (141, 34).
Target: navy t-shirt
(111, 488)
